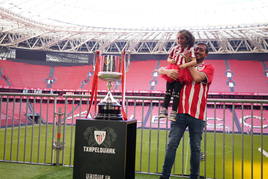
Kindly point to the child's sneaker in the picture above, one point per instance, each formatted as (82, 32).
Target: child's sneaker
(202, 156)
(172, 116)
(163, 113)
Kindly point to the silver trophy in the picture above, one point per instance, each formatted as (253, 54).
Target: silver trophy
(110, 71)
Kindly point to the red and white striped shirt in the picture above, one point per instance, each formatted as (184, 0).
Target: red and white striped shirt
(177, 50)
(193, 95)
(175, 54)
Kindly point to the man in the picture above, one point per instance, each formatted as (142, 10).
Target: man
(191, 111)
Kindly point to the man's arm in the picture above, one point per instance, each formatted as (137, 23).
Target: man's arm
(172, 73)
(197, 75)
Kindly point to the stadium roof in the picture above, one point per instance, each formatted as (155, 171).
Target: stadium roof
(141, 26)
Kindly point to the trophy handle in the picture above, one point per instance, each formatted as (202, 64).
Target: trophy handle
(94, 87)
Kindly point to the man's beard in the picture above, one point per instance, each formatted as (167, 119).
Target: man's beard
(200, 60)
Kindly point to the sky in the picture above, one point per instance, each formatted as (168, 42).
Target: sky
(145, 14)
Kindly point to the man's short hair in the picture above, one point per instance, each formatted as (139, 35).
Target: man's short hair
(204, 44)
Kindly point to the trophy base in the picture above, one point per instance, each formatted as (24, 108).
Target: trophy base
(109, 111)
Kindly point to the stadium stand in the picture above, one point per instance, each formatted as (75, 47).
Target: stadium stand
(219, 82)
(71, 77)
(13, 114)
(3, 82)
(248, 76)
(23, 75)
(140, 74)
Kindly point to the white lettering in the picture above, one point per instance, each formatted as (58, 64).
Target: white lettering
(97, 176)
(99, 150)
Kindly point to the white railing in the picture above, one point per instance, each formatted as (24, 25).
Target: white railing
(40, 129)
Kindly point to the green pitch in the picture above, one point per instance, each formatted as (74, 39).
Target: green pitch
(226, 154)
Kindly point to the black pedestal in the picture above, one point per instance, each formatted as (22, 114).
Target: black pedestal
(105, 149)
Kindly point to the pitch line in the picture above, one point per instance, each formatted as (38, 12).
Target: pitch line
(263, 152)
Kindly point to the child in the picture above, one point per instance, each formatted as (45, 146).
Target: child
(178, 59)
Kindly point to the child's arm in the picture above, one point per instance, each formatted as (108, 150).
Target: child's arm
(170, 60)
(172, 73)
(189, 64)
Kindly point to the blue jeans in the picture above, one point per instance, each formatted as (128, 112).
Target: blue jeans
(177, 130)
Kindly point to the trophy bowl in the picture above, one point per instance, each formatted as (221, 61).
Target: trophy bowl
(109, 108)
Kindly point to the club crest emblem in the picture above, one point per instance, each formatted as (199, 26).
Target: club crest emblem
(99, 136)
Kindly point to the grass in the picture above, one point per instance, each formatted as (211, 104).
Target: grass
(28, 171)
(224, 152)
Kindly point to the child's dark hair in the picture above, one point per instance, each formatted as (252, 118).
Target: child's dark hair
(189, 37)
